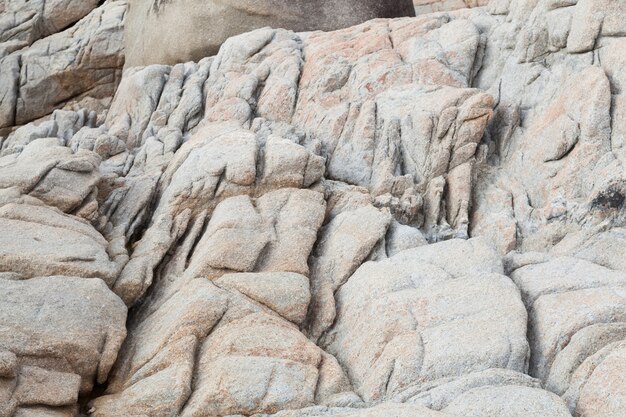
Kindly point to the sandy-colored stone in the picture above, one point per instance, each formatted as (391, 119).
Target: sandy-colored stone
(286, 293)
(271, 368)
(508, 401)
(430, 6)
(382, 410)
(397, 328)
(65, 333)
(288, 220)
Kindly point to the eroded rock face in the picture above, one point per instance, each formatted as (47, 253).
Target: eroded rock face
(27, 21)
(397, 332)
(430, 6)
(40, 73)
(576, 320)
(155, 34)
(60, 336)
(557, 134)
(412, 217)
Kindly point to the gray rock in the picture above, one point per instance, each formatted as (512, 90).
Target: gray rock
(271, 214)
(83, 60)
(42, 241)
(28, 21)
(234, 370)
(509, 401)
(181, 33)
(286, 293)
(385, 409)
(430, 6)
(600, 374)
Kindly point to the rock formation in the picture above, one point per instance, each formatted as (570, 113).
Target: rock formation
(430, 6)
(172, 31)
(41, 73)
(421, 216)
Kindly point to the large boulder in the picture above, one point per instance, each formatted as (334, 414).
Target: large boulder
(168, 32)
(427, 315)
(23, 22)
(287, 222)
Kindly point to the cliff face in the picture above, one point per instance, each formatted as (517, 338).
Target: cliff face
(420, 216)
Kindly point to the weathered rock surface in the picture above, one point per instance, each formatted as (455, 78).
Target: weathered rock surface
(557, 134)
(576, 320)
(400, 410)
(430, 6)
(168, 32)
(508, 401)
(28, 21)
(82, 61)
(409, 217)
(204, 332)
(397, 331)
(59, 336)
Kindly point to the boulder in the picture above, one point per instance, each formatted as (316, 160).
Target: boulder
(425, 316)
(168, 32)
(508, 401)
(382, 410)
(212, 351)
(28, 21)
(38, 240)
(430, 6)
(407, 217)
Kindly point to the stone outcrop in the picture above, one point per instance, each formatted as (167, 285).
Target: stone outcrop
(60, 336)
(168, 32)
(397, 335)
(44, 65)
(430, 6)
(24, 22)
(411, 217)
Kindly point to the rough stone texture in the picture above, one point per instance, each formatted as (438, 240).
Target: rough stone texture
(409, 217)
(59, 336)
(203, 332)
(430, 6)
(508, 401)
(556, 135)
(397, 331)
(39, 241)
(84, 60)
(28, 21)
(386, 409)
(577, 321)
(52, 173)
(168, 32)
